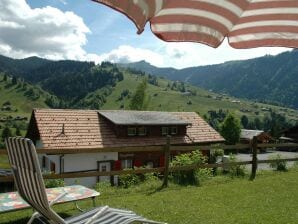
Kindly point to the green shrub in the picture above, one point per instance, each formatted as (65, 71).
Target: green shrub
(51, 183)
(277, 164)
(105, 188)
(189, 177)
(214, 154)
(147, 177)
(236, 170)
(129, 180)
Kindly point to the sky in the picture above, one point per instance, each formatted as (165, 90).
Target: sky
(88, 31)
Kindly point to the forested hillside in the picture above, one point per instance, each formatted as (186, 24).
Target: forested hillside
(70, 81)
(271, 79)
(69, 84)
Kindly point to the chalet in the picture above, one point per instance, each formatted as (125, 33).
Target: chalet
(291, 133)
(246, 136)
(91, 140)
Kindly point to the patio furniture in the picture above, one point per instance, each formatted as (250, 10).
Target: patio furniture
(29, 182)
(12, 201)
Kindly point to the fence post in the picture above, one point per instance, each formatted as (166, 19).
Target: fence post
(166, 162)
(254, 165)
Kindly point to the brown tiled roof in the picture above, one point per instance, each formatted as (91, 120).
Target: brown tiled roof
(71, 129)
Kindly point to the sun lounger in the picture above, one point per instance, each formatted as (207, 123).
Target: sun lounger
(12, 201)
(29, 182)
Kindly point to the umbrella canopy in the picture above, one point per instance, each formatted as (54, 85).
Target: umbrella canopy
(246, 23)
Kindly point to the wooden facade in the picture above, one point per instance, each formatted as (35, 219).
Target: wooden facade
(122, 131)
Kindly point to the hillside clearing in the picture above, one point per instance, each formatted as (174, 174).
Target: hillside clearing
(163, 98)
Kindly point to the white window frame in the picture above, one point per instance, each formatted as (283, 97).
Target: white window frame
(163, 132)
(144, 133)
(131, 134)
(126, 164)
(174, 132)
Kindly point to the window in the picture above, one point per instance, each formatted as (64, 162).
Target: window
(164, 131)
(103, 168)
(126, 163)
(174, 130)
(149, 164)
(142, 131)
(131, 131)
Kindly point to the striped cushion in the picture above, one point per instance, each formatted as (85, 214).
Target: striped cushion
(111, 215)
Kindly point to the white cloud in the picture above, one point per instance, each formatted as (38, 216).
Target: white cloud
(46, 32)
(126, 54)
(182, 55)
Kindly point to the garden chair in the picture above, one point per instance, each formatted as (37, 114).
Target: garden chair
(30, 185)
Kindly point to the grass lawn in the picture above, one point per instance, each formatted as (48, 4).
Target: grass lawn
(271, 198)
(4, 164)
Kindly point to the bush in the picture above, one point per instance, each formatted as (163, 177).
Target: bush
(51, 183)
(129, 180)
(278, 165)
(236, 170)
(191, 177)
(104, 187)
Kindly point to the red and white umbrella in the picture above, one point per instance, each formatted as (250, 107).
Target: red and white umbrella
(246, 23)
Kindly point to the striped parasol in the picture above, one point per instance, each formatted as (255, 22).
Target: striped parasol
(246, 23)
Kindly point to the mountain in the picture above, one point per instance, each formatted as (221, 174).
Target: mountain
(20, 66)
(66, 79)
(74, 84)
(267, 79)
(70, 84)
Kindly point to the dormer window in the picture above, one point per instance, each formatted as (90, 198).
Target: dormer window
(164, 130)
(142, 131)
(131, 131)
(145, 123)
(174, 130)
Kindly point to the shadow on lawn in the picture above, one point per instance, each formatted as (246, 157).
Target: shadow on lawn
(26, 219)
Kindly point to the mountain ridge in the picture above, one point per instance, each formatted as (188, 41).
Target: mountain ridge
(269, 78)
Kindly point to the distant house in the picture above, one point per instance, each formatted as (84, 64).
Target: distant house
(291, 133)
(103, 134)
(247, 135)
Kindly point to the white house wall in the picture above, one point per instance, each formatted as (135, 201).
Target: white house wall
(84, 162)
(55, 159)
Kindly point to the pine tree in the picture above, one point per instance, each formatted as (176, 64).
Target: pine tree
(138, 99)
(5, 78)
(18, 132)
(230, 129)
(14, 80)
(6, 133)
(244, 121)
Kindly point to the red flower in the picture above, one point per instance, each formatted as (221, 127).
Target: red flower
(117, 165)
(137, 163)
(161, 161)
